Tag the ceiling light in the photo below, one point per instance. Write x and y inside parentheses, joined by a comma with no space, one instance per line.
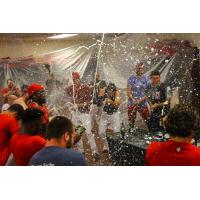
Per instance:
(62,36)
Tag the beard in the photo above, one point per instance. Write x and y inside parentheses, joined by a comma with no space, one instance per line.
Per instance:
(69,144)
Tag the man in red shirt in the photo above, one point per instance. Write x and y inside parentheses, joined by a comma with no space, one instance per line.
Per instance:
(37,99)
(27,142)
(11,89)
(81,95)
(182,124)
(8,127)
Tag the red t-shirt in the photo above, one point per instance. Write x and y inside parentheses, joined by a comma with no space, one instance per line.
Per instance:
(8,127)
(24,146)
(172,153)
(15,92)
(45,119)
(5,90)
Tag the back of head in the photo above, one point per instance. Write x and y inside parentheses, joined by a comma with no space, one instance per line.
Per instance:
(58,126)
(18,109)
(32,121)
(31,115)
(182,122)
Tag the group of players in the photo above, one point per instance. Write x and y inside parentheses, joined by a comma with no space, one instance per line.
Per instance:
(98,104)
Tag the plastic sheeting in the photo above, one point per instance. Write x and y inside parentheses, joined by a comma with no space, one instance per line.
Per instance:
(113,58)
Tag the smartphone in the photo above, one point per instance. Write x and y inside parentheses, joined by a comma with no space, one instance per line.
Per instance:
(80,130)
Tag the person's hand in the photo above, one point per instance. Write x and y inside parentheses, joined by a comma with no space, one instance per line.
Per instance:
(135,102)
(80,105)
(165,103)
(74,107)
(51,111)
(109,101)
(154,106)
(77,138)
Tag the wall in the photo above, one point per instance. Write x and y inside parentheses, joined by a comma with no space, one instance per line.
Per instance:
(21,47)
(24,47)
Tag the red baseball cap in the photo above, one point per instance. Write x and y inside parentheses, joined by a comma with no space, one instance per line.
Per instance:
(34,88)
(75,75)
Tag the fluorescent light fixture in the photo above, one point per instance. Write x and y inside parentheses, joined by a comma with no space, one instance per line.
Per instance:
(62,36)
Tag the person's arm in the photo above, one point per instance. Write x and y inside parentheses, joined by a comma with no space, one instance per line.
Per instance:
(18,92)
(142,99)
(117,101)
(129,92)
(5,94)
(169,94)
(156,105)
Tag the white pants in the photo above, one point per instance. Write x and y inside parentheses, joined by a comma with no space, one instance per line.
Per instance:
(109,121)
(95,114)
(85,120)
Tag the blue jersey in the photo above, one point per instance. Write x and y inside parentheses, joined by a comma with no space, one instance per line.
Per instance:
(138,88)
(57,156)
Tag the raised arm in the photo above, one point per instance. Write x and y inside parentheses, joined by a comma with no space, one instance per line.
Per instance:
(117,98)
(129,91)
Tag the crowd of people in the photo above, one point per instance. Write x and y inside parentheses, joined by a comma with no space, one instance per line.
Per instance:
(30,135)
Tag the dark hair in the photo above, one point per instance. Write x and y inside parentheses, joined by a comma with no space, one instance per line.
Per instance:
(31,114)
(58,126)
(18,109)
(102,84)
(155,73)
(139,64)
(111,86)
(9,80)
(182,122)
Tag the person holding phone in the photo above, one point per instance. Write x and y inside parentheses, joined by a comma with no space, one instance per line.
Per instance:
(58,150)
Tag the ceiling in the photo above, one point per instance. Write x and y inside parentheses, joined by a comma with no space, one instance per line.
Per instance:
(37,36)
